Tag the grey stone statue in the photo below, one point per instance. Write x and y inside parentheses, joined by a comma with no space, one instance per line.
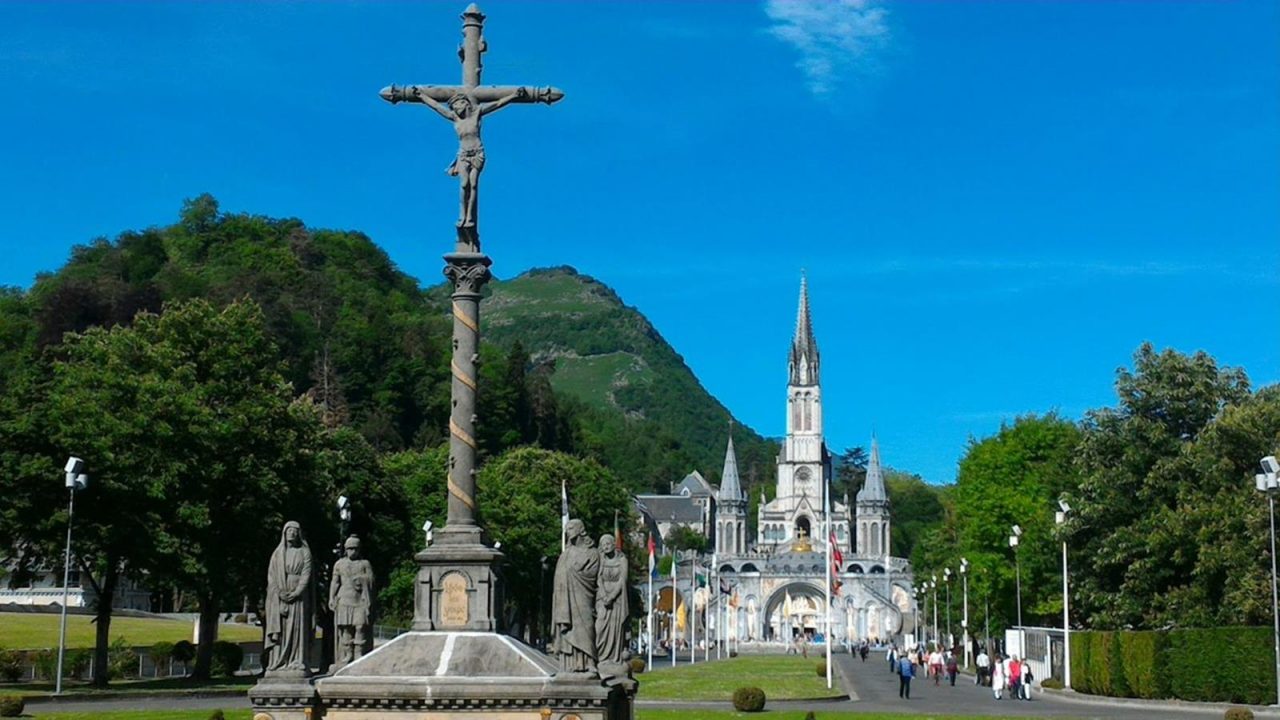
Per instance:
(574,599)
(611,609)
(351,598)
(464,112)
(290,606)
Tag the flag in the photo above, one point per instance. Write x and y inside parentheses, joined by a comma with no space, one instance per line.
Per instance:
(837,557)
(653,563)
(702,579)
(617,533)
(733,599)
(564,512)
(680,619)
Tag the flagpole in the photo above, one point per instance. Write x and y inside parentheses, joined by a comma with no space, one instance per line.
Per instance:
(564,514)
(651,603)
(693,612)
(674,591)
(826,510)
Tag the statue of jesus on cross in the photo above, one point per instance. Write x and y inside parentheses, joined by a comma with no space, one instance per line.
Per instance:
(464,106)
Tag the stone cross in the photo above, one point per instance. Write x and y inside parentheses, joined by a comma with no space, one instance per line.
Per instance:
(464,105)
(467,268)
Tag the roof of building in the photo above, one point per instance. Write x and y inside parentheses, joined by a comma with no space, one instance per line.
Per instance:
(670,508)
(694,485)
(804,346)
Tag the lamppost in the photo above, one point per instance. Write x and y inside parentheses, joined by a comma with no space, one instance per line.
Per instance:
(933,585)
(946,580)
(1268,481)
(1017,566)
(75,480)
(964,622)
(1060,518)
(542,617)
(915,611)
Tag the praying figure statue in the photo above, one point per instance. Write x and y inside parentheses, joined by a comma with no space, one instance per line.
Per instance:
(465,113)
(290,606)
(611,608)
(574,600)
(351,598)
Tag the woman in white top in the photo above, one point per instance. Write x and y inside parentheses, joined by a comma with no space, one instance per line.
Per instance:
(998,675)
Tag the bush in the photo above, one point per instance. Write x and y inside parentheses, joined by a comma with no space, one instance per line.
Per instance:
(241,618)
(1051,683)
(46,662)
(217,715)
(76,662)
(160,654)
(810,716)
(183,651)
(122,661)
(748,699)
(1238,713)
(227,657)
(1140,660)
(637,665)
(11,705)
(733,653)
(11,665)
(821,668)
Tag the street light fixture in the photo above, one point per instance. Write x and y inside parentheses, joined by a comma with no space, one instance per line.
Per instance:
(1060,518)
(946,577)
(964,621)
(933,585)
(75,479)
(1013,543)
(1268,481)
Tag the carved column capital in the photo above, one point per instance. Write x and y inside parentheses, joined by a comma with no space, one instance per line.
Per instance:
(468,272)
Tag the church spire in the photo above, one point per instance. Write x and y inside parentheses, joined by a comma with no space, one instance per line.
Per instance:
(803,362)
(873,489)
(730,487)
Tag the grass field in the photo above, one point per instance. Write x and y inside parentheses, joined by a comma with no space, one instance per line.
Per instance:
(782,677)
(178,684)
(30,631)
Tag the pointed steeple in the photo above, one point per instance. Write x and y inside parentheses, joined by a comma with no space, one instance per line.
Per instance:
(873,489)
(730,487)
(803,361)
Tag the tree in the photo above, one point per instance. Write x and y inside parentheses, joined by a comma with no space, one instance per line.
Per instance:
(683,537)
(519,498)
(851,472)
(914,508)
(1013,477)
(1132,460)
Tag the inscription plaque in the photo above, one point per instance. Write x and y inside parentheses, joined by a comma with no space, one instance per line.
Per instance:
(453,600)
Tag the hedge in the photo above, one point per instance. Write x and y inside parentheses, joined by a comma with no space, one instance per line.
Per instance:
(1232,664)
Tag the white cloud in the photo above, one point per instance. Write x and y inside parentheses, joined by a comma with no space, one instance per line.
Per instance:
(832,36)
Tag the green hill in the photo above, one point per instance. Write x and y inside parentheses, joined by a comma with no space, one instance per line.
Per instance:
(368,343)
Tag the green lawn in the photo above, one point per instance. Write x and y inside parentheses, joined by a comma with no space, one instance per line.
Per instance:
(177,684)
(782,677)
(29,631)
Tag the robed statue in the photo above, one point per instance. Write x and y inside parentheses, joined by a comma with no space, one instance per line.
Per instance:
(351,598)
(611,608)
(290,606)
(574,599)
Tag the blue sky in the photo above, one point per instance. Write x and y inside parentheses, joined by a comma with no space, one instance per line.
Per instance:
(996,203)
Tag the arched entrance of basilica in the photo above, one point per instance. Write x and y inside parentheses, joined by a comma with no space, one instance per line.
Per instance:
(795,610)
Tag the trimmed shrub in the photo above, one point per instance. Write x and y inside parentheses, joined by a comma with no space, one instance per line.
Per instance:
(810,716)
(748,699)
(160,654)
(821,668)
(46,662)
(1140,661)
(217,715)
(733,653)
(11,705)
(10,665)
(227,657)
(637,665)
(1238,713)
(184,651)
(1221,665)
(1052,684)
(75,663)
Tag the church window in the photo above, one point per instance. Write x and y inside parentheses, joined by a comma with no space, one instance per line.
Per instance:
(808,412)
(795,413)
(875,538)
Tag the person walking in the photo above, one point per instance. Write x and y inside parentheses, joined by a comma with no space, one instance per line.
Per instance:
(906,671)
(892,657)
(998,678)
(935,666)
(983,677)
(1026,680)
(953,668)
(1015,678)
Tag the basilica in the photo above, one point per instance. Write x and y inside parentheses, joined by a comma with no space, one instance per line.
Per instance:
(771,582)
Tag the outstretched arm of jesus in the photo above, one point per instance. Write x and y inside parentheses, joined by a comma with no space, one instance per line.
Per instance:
(440,108)
(519,93)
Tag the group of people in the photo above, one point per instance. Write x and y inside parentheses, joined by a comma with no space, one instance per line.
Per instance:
(1004,673)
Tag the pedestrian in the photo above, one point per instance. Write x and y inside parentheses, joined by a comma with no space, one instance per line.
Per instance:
(984,668)
(998,677)
(935,666)
(953,668)
(1015,678)
(1026,680)
(906,671)
(862,652)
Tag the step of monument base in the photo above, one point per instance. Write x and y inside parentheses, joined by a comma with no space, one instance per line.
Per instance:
(442,675)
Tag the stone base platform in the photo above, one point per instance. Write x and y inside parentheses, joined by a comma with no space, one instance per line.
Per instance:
(441,675)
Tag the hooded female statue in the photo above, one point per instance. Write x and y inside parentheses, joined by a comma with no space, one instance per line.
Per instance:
(290,611)
(574,600)
(612,613)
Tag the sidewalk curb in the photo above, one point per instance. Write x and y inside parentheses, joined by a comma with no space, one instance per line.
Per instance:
(1079,698)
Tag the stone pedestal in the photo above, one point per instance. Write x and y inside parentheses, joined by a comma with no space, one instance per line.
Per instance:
(459,585)
(284,698)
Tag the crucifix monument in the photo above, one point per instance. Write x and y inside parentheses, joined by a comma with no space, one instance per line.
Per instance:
(456,662)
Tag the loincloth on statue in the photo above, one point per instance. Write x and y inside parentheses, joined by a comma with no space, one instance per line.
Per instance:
(470,159)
